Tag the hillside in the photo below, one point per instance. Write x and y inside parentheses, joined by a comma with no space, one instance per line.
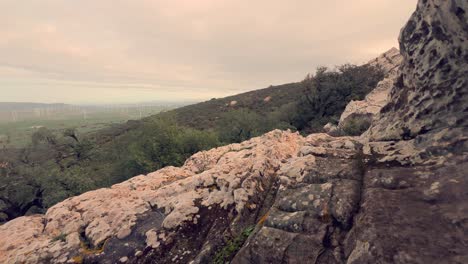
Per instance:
(60,162)
(205,115)
(284,100)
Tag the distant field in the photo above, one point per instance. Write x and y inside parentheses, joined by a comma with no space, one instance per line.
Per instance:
(18,133)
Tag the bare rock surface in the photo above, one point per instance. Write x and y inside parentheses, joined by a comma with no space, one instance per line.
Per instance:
(402,197)
(230,179)
(397,194)
(430,94)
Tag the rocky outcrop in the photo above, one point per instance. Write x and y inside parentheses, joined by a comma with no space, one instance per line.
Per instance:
(402,196)
(343,203)
(431,92)
(361,113)
(396,194)
(319,193)
(212,190)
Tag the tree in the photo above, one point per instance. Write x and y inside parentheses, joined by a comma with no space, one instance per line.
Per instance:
(71,133)
(162,143)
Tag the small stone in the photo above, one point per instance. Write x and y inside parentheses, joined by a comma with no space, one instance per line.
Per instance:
(123,233)
(152,239)
(123,260)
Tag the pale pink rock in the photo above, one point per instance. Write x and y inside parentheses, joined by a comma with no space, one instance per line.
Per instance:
(237,170)
(152,239)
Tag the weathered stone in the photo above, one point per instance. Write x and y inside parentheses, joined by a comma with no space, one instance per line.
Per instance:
(230,177)
(431,92)
(402,198)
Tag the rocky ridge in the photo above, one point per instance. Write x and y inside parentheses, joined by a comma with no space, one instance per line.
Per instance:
(397,194)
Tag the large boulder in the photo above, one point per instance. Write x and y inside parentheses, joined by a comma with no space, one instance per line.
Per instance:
(400,197)
(430,95)
(173,215)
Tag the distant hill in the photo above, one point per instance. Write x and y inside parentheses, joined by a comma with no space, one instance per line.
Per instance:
(21,106)
(38,112)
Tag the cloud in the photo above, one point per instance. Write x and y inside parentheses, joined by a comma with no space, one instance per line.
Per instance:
(140,49)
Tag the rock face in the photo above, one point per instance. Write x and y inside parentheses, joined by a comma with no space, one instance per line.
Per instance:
(397,194)
(363,112)
(431,91)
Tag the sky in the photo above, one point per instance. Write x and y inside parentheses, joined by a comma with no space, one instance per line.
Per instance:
(124,51)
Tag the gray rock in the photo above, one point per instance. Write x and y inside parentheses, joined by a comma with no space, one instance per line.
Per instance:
(430,94)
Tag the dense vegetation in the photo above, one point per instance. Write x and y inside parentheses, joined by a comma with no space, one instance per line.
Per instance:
(55,167)
(18,121)
(59,165)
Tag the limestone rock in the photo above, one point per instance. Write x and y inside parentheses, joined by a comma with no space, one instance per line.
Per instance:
(430,94)
(388,61)
(228,178)
(331,129)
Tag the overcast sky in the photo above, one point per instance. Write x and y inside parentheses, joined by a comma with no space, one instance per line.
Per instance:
(103,51)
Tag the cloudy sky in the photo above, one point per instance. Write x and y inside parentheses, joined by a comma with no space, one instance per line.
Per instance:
(103,51)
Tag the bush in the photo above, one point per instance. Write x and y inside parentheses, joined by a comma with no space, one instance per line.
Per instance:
(242,124)
(239,125)
(232,246)
(162,143)
(328,92)
(357,126)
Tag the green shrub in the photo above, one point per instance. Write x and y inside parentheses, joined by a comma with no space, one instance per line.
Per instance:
(328,92)
(162,143)
(225,254)
(62,237)
(357,126)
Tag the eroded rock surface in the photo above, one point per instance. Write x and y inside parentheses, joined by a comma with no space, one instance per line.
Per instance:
(397,194)
(431,92)
(407,201)
(149,211)
(318,196)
